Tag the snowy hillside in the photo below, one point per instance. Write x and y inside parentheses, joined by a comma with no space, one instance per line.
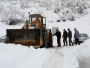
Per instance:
(17,11)
(18,56)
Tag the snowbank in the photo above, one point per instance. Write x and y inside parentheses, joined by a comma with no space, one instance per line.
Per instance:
(17,56)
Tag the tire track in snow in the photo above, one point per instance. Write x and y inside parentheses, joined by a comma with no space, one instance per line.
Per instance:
(70,61)
(82,57)
(55,60)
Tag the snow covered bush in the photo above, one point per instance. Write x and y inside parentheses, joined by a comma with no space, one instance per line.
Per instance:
(12,16)
(1,7)
(2,0)
(70,9)
(73,9)
(24,3)
(46,3)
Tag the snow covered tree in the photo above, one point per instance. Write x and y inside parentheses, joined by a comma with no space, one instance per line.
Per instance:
(46,3)
(24,3)
(1,7)
(11,15)
(70,9)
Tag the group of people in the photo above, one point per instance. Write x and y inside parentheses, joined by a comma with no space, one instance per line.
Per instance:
(67,34)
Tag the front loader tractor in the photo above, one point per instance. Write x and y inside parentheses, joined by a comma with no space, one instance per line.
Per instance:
(31,34)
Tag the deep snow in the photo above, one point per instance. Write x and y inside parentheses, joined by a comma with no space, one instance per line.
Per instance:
(77,56)
(17,56)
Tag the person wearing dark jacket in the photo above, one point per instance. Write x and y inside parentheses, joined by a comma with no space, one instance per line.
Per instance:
(64,37)
(70,37)
(58,35)
(76,36)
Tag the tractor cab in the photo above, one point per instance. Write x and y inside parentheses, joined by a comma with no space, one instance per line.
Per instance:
(37,21)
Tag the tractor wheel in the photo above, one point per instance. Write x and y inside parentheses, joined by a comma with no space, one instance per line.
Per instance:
(50,42)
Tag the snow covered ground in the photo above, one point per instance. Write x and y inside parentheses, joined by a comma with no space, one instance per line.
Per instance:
(77,56)
(17,56)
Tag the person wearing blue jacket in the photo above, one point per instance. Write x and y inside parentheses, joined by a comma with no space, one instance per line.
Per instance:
(76,36)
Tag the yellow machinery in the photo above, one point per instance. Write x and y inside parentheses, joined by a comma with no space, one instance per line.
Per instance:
(31,34)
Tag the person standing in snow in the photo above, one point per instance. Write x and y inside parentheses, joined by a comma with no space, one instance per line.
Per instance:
(58,35)
(65,37)
(76,36)
(70,36)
